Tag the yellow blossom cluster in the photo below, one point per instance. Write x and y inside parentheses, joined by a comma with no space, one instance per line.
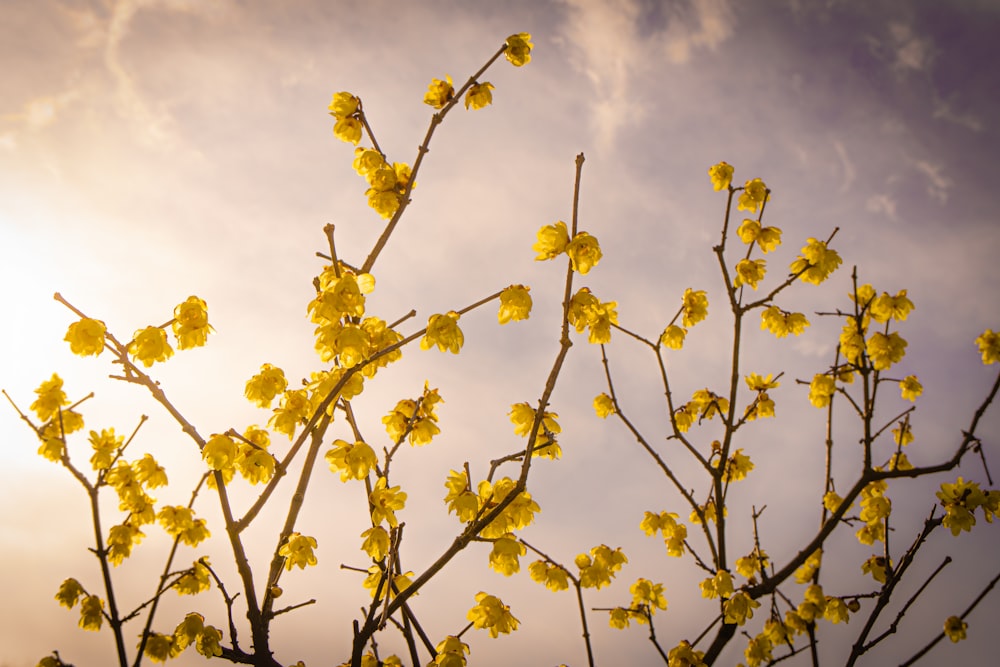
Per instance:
(598,568)
(522,415)
(192,631)
(586,311)
(415,420)
(674,533)
(583,250)
(961,499)
(490,613)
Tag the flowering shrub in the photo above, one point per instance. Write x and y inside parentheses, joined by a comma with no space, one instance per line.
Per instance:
(780,607)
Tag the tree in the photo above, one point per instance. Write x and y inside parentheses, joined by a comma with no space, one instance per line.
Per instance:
(494,506)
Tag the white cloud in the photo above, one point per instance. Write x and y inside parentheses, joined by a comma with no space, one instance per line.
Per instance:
(617,42)
(36,114)
(943,111)
(909,51)
(883,204)
(937,183)
(847,166)
(701,25)
(150,121)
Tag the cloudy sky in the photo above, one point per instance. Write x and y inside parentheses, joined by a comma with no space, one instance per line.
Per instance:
(154,149)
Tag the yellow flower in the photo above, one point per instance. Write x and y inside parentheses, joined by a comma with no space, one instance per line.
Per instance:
(385,500)
(816,263)
(161,647)
(899,461)
(758,651)
(852,341)
(352,461)
(708,404)
(876,567)
(902,434)
(344,105)
(195,580)
(767,238)
(757,383)
(105,444)
(219,452)
(598,571)
(191,323)
(293,409)
(491,613)
(460,498)
(86,337)
(738,467)
(515,304)
(832,501)
(694,307)
(121,539)
(443,331)
(385,202)
(959,501)
(187,631)
(782,323)
(584,252)
(348,130)
(518,514)
(554,577)
(265,385)
(618,618)
(604,406)
(51,397)
(518,49)
(603,317)
(505,554)
(739,608)
(674,533)
(367,161)
(673,337)
(684,655)
(479,95)
(885,350)
(450,653)
(582,308)
(807,570)
(376,577)
(721,585)
(69,592)
(552,241)
(821,390)
(749,565)
(209,643)
(439,92)
(254,462)
(885,307)
(749,272)
(522,416)
(754,194)
(989,346)
(748,230)
(721,175)
(645,592)
(376,543)
(149,473)
(91,616)
(955,628)
(836,610)
(298,550)
(910,387)
(150,345)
